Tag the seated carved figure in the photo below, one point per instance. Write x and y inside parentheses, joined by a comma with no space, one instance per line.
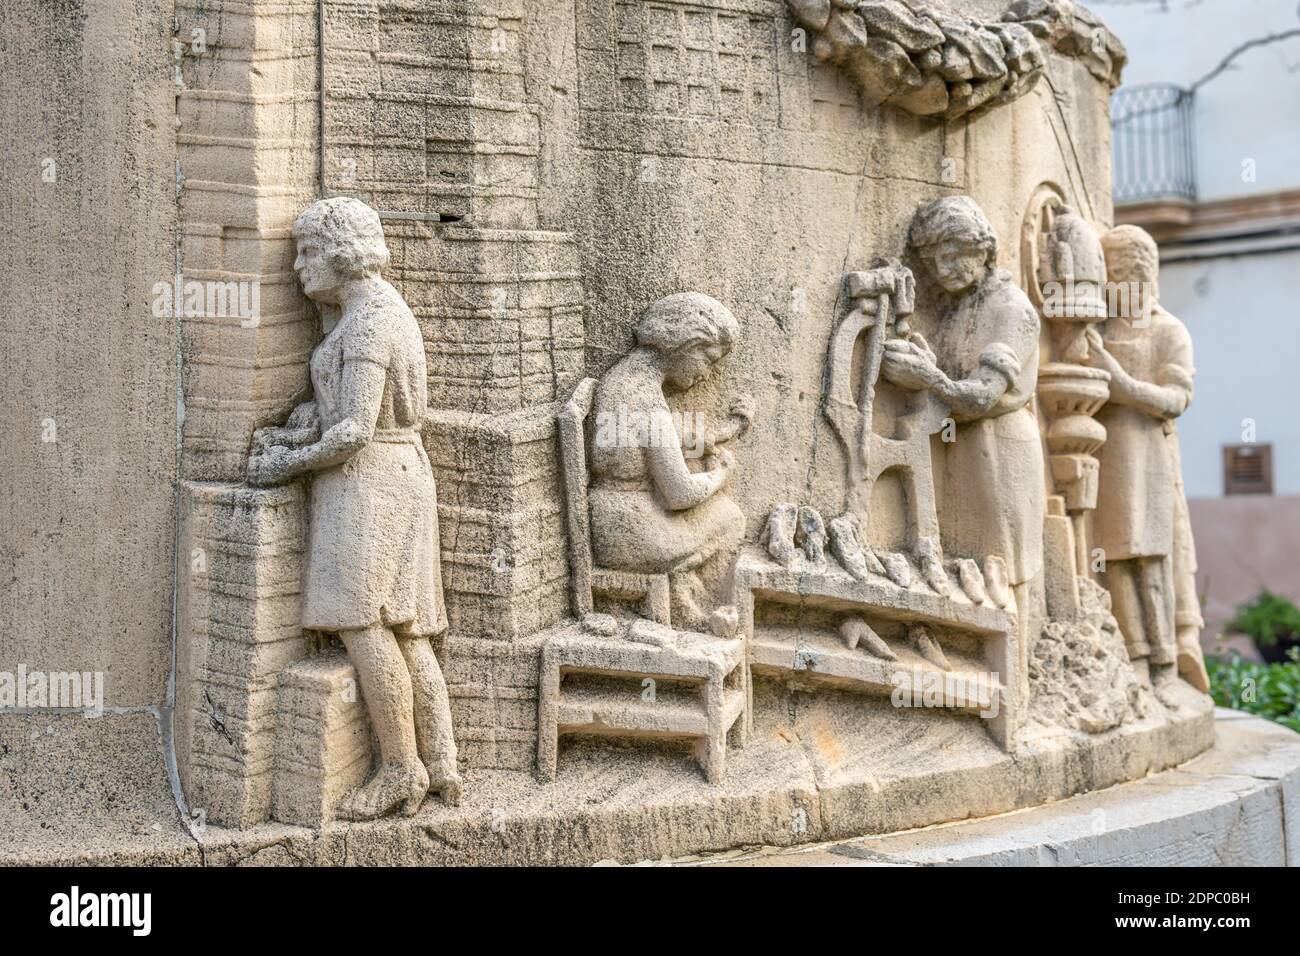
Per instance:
(649,512)
(372,572)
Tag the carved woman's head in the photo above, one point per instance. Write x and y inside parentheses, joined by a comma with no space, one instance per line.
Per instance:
(690,332)
(338,239)
(955,241)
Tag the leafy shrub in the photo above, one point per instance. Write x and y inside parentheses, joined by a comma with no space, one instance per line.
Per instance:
(1267,618)
(1266,690)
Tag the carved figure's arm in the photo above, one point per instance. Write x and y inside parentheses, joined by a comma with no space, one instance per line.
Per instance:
(363,392)
(972,398)
(1166,398)
(677,486)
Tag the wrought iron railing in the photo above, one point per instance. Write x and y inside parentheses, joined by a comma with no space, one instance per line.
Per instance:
(1153,142)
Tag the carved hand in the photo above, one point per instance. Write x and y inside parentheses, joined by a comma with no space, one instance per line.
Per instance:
(722,461)
(743,408)
(270,466)
(909,369)
(1098,357)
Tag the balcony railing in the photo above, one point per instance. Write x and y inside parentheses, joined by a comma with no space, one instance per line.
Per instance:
(1153,142)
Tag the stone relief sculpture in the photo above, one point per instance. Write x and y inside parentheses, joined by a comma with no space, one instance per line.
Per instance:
(1141,519)
(372,573)
(649,512)
(644,526)
(923,60)
(909,527)
(983,367)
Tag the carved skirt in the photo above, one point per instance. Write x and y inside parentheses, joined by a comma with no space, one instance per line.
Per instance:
(632,531)
(372,542)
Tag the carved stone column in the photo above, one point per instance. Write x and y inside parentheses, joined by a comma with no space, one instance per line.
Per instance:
(1064,272)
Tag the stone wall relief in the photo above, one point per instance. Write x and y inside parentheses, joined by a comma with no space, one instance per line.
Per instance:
(922,58)
(924,62)
(936,577)
(1120,373)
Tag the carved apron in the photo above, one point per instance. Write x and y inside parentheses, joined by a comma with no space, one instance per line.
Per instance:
(372,551)
(989,479)
(1139,462)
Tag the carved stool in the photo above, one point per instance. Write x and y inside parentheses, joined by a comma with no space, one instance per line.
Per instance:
(694,687)
(322,739)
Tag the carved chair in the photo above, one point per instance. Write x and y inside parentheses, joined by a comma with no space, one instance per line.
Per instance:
(650,590)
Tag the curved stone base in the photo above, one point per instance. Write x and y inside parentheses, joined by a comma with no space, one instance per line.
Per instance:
(818,768)
(1238,805)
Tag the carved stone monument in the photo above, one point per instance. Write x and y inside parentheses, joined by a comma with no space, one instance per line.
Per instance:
(668,426)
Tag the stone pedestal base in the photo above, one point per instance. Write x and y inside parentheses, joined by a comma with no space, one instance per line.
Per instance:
(816,769)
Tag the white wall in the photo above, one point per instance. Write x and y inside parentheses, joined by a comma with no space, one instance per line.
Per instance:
(1251,111)
(1244,316)
(1241,310)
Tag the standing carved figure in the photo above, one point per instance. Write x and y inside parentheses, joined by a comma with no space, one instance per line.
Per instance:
(372,572)
(1141,523)
(983,366)
(649,511)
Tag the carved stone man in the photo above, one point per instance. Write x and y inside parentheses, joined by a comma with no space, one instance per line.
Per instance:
(372,572)
(984,367)
(1141,521)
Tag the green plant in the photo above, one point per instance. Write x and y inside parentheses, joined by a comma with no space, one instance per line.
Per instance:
(1267,618)
(1266,690)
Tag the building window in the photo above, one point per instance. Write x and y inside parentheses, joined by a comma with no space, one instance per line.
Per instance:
(1248,469)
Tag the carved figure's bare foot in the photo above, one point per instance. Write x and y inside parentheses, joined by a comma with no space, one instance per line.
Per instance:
(391,786)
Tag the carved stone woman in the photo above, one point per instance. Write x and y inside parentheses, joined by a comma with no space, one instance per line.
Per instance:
(372,571)
(649,511)
(984,368)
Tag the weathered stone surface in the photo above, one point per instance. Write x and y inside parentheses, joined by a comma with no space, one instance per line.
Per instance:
(1236,806)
